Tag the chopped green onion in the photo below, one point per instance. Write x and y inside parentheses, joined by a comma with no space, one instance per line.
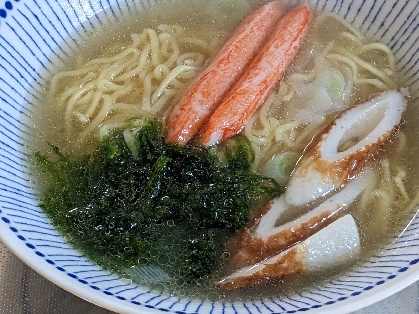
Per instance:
(280,167)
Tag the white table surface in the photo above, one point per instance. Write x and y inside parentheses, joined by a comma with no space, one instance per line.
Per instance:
(23,291)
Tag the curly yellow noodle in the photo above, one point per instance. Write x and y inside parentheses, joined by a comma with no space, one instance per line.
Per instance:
(160,71)
(382,47)
(341,21)
(173,29)
(160,104)
(177,84)
(154,45)
(294,135)
(114,71)
(107,86)
(195,42)
(414,203)
(352,37)
(282,135)
(171,92)
(364,199)
(258,155)
(392,183)
(177,71)
(107,104)
(302,76)
(383,211)
(93,104)
(309,132)
(373,207)
(71,89)
(369,67)
(192,58)
(168,49)
(145,77)
(387,177)
(59,76)
(399,180)
(85,100)
(112,59)
(265,123)
(326,50)
(373,82)
(401,141)
(77,92)
(347,61)
(389,194)
(123,90)
(140,67)
(287,93)
(260,140)
(128,108)
(146,101)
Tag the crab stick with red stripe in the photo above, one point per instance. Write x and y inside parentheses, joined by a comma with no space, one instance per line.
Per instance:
(208,89)
(259,79)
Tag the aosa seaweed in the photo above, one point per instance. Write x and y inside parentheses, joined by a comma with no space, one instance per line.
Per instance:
(137,201)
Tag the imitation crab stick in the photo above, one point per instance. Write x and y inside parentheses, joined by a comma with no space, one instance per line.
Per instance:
(259,79)
(207,90)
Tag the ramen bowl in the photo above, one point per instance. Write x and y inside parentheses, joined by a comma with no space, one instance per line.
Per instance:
(35,37)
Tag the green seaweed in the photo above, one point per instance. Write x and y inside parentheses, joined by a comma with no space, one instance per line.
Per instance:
(162,203)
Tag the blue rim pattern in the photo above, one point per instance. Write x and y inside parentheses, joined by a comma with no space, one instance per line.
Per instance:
(37,36)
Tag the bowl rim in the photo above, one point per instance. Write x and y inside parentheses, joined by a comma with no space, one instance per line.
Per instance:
(20,249)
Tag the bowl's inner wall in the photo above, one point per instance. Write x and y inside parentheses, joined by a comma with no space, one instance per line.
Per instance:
(36,37)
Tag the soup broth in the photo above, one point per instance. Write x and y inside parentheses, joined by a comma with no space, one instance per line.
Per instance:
(195,30)
(200,34)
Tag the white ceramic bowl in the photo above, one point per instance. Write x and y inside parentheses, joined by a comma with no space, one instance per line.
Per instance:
(34,36)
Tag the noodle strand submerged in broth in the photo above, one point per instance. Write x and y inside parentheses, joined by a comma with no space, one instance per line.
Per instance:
(141,80)
(143,72)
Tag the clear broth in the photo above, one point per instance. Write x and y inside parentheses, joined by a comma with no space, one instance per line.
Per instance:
(192,16)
